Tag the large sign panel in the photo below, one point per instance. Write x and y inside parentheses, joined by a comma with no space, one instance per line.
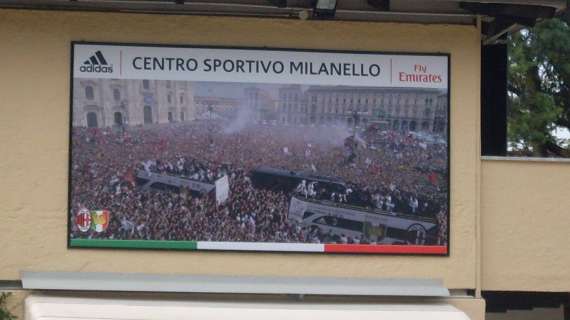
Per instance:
(210,148)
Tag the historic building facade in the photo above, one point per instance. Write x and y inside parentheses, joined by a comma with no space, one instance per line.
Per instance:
(262,104)
(396,108)
(207,106)
(99,103)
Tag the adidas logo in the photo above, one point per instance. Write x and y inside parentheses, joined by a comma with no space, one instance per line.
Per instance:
(96,63)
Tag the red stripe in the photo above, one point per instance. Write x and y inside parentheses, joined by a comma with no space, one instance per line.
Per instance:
(376,248)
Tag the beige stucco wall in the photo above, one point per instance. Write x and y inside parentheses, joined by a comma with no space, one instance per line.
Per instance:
(525,212)
(34,79)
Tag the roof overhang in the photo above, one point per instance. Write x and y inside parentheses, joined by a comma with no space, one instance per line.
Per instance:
(498,17)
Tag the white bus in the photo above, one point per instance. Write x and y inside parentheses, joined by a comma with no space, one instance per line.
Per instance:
(355,222)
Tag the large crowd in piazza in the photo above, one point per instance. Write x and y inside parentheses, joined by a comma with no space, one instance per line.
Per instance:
(391,171)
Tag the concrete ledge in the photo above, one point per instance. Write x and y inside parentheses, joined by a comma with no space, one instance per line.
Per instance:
(227,284)
(525,159)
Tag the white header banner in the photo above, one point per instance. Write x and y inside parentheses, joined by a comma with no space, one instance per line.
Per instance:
(259,66)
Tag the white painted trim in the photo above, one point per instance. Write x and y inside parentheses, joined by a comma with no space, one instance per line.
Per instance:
(59,308)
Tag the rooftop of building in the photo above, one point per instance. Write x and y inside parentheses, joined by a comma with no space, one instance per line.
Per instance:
(497,17)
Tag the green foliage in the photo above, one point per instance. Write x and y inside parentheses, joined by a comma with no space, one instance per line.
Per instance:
(539,88)
(5,314)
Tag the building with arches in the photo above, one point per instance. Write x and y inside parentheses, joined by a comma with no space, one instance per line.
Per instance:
(100,103)
(406,109)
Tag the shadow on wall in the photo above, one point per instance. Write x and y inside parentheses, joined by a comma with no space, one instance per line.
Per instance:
(534,314)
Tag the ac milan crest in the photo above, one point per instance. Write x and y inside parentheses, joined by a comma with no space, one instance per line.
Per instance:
(83,220)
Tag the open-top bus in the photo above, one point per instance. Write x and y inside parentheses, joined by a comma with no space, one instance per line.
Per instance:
(375,225)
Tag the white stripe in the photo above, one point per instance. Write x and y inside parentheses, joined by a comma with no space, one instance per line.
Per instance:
(261,246)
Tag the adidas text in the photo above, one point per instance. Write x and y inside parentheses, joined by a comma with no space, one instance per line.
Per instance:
(96,68)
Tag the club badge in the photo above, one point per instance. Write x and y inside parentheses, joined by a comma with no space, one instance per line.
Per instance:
(100,220)
(83,220)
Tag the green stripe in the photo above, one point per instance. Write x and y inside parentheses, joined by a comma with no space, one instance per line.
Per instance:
(134,244)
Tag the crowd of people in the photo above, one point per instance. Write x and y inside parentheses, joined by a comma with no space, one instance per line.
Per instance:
(390,171)
(393,172)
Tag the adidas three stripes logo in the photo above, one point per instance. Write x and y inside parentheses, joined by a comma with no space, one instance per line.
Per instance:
(96,63)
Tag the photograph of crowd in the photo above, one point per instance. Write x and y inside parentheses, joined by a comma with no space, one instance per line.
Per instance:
(247,162)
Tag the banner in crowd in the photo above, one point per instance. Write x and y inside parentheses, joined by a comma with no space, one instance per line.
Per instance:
(222,189)
(189,147)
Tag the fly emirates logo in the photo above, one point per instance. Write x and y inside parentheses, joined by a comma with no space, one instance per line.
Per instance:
(421,74)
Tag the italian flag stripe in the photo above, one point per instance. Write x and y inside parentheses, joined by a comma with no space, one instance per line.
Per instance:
(258,246)
(377,248)
(261,246)
(134,244)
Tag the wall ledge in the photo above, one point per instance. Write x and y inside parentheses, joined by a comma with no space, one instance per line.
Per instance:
(102,281)
(525,159)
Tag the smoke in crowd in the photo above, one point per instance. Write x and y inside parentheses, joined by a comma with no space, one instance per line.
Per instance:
(340,165)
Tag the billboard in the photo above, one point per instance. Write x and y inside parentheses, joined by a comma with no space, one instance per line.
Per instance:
(256,149)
